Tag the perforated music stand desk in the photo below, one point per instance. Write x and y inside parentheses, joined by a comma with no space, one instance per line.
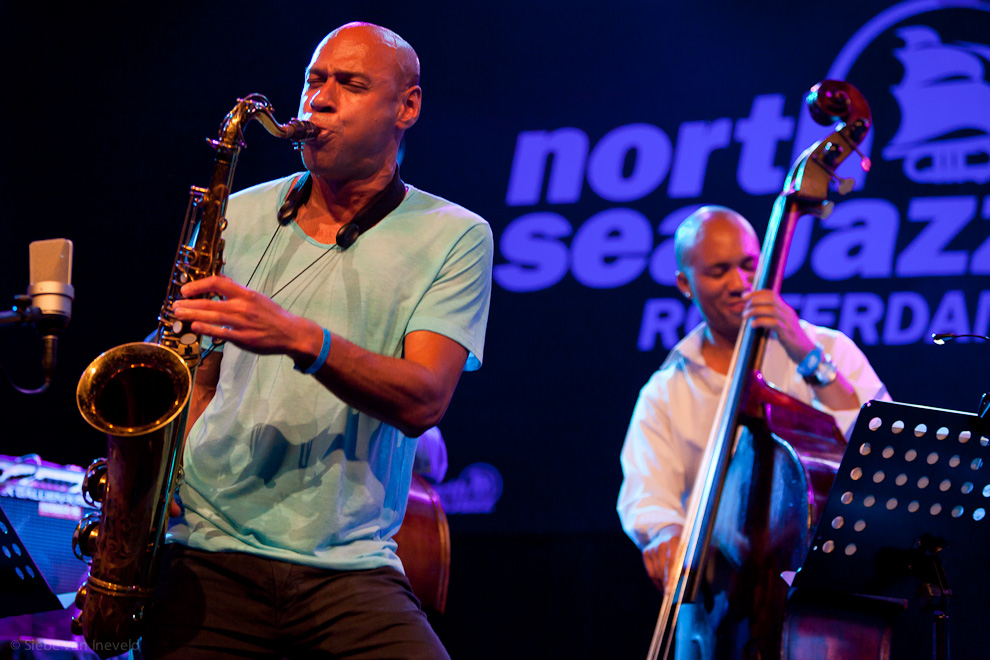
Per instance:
(23,590)
(909,473)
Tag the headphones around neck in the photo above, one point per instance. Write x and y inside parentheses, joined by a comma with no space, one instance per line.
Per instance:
(295,198)
(380,205)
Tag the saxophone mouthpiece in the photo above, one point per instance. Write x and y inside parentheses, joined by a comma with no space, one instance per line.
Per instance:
(299,130)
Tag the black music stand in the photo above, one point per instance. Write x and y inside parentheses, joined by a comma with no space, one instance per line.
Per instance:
(23,590)
(914,483)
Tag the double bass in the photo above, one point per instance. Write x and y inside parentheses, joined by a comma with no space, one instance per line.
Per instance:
(770,460)
(424,545)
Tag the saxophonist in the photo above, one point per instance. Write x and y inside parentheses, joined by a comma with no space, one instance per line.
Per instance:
(349,306)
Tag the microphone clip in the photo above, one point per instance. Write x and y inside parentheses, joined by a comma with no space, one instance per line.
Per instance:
(25,311)
(22,313)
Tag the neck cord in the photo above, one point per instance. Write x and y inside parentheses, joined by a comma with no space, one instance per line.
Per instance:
(262,258)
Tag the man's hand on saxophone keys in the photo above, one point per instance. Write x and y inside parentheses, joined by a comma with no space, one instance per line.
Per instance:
(245,318)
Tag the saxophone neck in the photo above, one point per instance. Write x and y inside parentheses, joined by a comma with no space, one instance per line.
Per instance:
(257,106)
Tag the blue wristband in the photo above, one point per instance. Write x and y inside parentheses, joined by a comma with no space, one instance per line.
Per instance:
(321,358)
(811,360)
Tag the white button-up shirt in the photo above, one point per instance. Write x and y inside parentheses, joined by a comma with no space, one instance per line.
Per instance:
(673,417)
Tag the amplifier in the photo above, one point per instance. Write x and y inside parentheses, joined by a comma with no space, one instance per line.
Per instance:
(43,502)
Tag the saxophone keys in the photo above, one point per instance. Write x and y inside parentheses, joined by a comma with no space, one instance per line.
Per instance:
(94,484)
(85,536)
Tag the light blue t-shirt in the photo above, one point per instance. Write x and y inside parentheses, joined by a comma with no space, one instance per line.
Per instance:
(277,465)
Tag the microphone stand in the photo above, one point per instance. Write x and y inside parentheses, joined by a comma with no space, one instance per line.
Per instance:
(21,314)
(926,565)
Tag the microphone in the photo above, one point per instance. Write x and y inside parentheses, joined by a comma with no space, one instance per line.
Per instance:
(51,293)
(941,337)
(983,410)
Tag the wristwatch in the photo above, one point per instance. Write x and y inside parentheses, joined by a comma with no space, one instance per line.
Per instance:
(817,368)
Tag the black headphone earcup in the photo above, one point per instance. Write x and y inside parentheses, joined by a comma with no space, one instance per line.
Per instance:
(287,211)
(297,197)
(347,234)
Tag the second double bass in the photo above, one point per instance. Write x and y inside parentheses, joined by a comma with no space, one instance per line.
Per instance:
(775,456)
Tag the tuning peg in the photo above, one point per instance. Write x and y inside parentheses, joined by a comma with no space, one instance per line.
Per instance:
(844,186)
(864,160)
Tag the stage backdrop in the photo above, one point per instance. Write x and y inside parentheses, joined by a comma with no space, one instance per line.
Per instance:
(583,132)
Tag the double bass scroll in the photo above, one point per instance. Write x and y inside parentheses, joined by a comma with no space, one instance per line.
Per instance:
(805,192)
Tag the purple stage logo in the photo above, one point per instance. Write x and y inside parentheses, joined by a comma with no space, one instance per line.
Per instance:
(909,234)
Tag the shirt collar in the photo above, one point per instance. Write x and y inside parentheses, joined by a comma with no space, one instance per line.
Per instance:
(688,348)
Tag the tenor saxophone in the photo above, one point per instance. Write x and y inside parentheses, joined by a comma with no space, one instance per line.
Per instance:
(138,394)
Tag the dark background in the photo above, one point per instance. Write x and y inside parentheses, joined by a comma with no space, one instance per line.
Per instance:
(104,119)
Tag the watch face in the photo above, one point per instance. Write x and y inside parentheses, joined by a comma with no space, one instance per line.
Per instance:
(825,372)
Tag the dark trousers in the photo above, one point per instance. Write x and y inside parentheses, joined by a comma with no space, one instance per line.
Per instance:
(236,605)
